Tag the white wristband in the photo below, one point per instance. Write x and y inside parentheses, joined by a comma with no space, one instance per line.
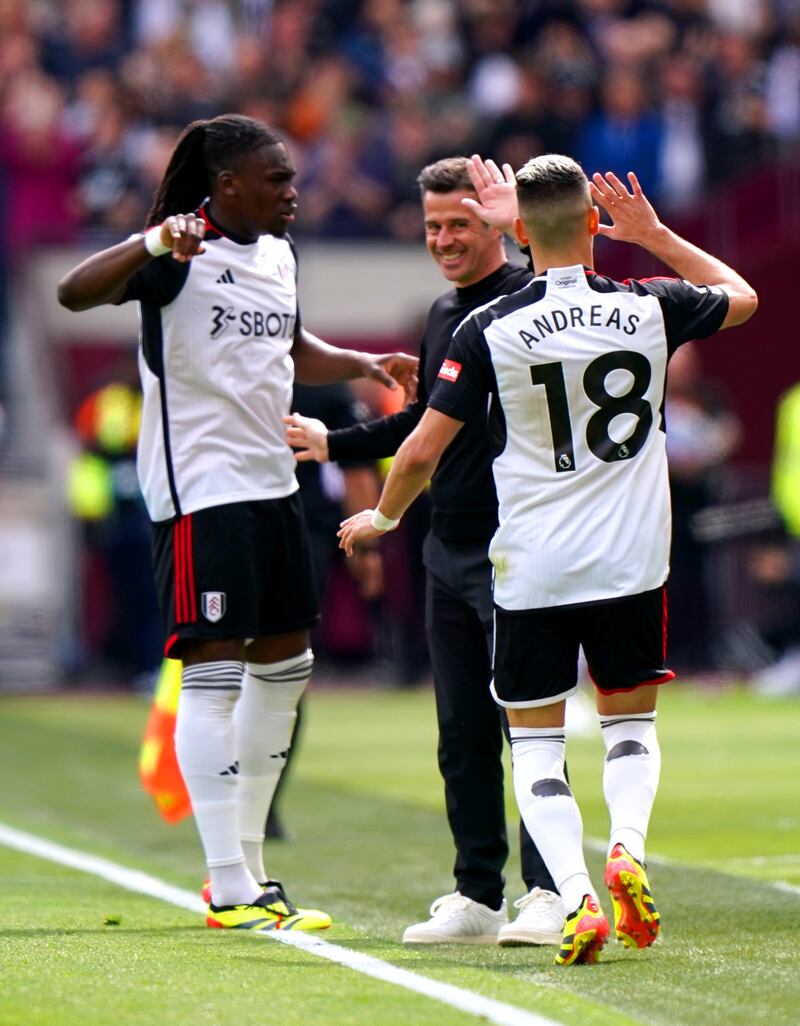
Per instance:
(382,523)
(153,244)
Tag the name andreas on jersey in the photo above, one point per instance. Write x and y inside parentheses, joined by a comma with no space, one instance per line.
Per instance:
(575,316)
(576,424)
(252,323)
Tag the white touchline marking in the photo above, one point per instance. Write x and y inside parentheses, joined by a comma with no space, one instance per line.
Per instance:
(762,860)
(135,880)
(595,844)
(781,885)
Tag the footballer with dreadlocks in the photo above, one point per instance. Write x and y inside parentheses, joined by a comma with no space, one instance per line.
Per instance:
(221,344)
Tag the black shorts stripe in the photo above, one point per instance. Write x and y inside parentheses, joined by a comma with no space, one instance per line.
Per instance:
(185,598)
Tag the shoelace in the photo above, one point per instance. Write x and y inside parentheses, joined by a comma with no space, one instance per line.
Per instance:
(449,904)
(280,903)
(536,897)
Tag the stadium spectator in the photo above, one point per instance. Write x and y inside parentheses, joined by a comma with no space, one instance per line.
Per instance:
(581,553)
(109,179)
(783,86)
(346,182)
(524,127)
(84,35)
(737,135)
(624,132)
(681,158)
(39,167)
(40,163)
(231,549)
(472,256)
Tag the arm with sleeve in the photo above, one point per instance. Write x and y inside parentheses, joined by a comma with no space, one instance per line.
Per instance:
(690,311)
(382,437)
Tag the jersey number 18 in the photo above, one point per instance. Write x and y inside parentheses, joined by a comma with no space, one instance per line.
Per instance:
(551,376)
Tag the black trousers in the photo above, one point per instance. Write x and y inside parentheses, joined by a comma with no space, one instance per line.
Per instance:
(459,623)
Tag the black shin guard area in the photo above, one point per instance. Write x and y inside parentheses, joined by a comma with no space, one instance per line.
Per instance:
(626,748)
(550,787)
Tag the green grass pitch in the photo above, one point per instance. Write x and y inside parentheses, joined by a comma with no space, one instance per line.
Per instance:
(371,846)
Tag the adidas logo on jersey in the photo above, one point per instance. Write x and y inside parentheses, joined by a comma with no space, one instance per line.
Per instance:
(226,278)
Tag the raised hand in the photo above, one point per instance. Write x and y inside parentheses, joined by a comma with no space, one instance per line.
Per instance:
(184,233)
(308,435)
(496,204)
(632,215)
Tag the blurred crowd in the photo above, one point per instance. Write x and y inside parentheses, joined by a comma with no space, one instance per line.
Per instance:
(93,93)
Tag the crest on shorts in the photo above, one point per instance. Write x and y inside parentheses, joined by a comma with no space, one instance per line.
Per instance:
(213,605)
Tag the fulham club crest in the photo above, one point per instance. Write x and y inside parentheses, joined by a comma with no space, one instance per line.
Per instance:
(213,605)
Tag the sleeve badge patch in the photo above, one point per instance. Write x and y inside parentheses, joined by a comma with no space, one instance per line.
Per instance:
(450,370)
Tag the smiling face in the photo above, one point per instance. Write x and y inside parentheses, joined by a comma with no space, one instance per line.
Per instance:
(257,196)
(465,249)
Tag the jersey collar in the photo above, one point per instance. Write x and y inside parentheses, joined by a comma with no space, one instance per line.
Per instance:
(211,225)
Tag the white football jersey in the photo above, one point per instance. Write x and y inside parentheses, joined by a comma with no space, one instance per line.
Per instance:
(574,367)
(217,375)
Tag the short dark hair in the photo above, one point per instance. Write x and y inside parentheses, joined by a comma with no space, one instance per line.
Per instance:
(447,175)
(553,195)
(203,149)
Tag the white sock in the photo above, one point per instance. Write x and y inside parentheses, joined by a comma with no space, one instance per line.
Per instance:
(630,777)
(205,744)
(265,718)
(549,809)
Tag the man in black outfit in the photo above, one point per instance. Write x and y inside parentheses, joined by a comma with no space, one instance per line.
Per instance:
(471,254)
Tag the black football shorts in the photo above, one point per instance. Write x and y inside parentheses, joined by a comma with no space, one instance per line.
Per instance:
(536,651)
(236,571)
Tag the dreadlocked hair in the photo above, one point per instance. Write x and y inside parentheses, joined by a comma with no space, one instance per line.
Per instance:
(203,149)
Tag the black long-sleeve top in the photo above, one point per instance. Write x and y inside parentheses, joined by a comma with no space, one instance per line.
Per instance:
(462,488)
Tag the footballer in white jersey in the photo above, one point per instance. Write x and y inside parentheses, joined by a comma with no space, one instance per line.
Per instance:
(221,343)
(574,366)
(216,338)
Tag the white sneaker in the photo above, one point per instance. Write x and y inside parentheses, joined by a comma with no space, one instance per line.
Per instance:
(540,920)
(456,919)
